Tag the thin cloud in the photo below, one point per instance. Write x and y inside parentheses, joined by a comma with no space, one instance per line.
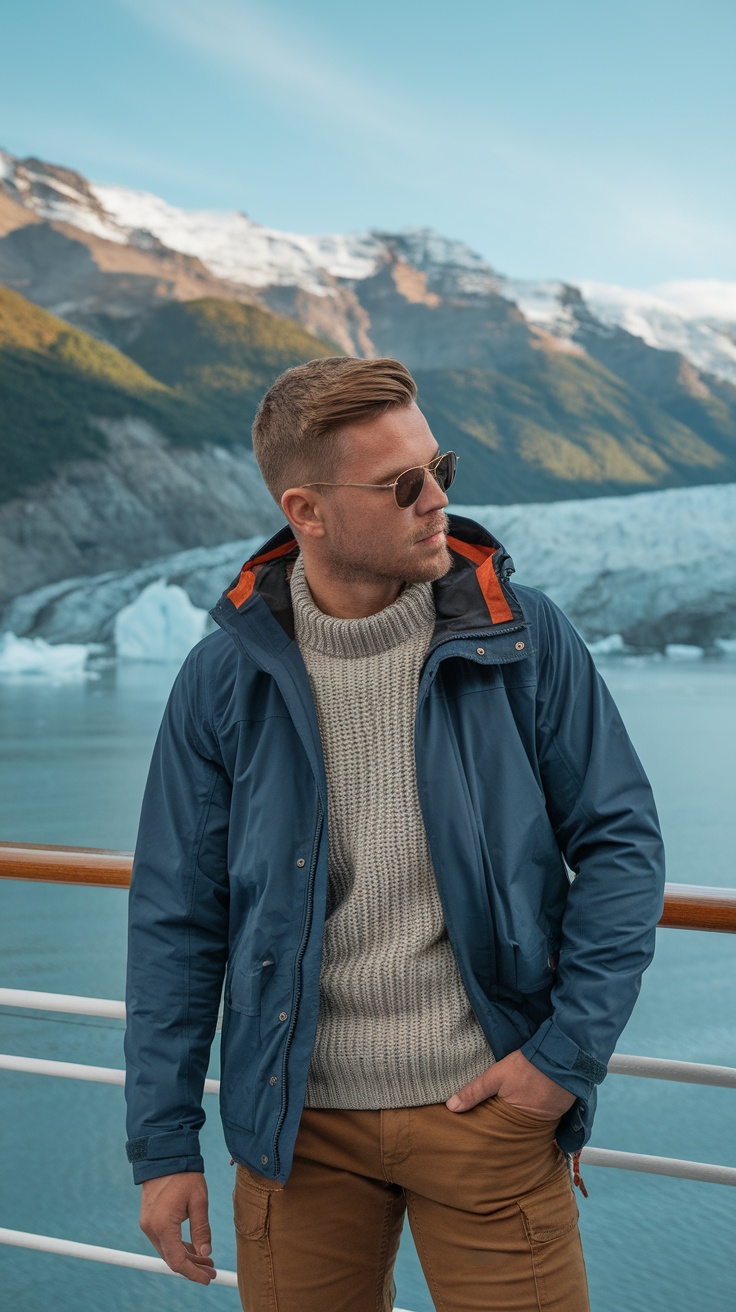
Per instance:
(241,39)
(296,72)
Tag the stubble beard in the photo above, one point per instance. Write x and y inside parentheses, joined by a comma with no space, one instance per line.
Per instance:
(368,566)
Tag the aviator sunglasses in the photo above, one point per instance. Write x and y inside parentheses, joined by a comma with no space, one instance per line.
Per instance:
(408,486)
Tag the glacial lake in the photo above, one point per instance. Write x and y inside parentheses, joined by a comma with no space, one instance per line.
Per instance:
(73,760)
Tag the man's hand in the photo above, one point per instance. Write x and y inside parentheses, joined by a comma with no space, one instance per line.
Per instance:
(517,1081)
(166,1203)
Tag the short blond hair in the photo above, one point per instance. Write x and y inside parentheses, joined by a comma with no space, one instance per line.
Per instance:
(296,432)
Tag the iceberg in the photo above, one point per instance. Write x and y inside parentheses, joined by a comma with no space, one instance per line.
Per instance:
(34,656)
(160,625)
(613,645)
(683,651)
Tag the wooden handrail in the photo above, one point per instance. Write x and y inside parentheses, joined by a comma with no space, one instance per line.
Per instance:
(689,906)
(686,906)
(66,865)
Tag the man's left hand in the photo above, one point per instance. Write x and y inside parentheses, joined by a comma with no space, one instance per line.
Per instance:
(517,1081)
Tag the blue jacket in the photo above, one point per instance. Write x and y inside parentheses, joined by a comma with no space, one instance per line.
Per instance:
(523,766)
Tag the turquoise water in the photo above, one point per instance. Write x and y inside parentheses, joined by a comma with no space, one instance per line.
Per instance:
(73,760)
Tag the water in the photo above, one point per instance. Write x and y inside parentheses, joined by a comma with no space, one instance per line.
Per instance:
(73,760)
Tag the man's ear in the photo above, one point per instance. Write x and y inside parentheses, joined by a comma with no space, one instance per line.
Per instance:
(303,509)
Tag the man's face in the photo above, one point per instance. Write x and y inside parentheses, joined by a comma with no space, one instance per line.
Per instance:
(367,536)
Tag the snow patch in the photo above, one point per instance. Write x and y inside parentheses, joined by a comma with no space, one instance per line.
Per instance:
(542,303)
(232,246)
(690,317)
(701,298)
(683,651)
(613,645)
(664,325)
(42,659)
(160,625)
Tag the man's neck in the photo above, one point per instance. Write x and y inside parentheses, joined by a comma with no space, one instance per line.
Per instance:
(349,599)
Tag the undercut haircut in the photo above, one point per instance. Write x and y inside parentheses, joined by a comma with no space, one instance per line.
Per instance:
(297,430)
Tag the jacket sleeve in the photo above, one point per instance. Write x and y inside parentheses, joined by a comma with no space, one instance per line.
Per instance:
(178,928)
(601,806)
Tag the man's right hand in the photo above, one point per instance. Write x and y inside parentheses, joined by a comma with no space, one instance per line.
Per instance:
(166,1203)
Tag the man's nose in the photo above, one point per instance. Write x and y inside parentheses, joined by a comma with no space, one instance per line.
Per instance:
(432,496)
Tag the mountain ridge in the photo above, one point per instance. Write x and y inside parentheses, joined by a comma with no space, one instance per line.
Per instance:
(252,259)
(542,399)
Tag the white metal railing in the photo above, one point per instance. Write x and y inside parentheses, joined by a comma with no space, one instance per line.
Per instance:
(71,1004)
(73,1070)
(620,1064)
(93,1253)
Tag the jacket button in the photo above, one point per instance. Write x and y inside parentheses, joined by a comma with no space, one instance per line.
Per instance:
(301,862)
(283,1015)
(481,651)
(272,1079)
(519,646)
(264,1160)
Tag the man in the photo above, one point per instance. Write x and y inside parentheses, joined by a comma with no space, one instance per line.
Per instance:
(367,793)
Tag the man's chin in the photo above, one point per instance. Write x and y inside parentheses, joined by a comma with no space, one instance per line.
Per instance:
(436,563)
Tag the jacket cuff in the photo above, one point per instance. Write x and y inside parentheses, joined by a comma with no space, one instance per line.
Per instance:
(164,1154)
(559,1057)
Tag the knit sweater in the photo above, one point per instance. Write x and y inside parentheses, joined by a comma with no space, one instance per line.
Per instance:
(395,1026)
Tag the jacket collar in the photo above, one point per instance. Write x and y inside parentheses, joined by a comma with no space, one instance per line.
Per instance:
(474,597)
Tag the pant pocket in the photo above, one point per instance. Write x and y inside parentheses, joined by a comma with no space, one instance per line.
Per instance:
(550,1212)
(251,1202)
(535,1119)
(550,1217)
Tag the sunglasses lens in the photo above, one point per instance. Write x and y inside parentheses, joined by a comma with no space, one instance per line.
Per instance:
(445,472)
(408,487)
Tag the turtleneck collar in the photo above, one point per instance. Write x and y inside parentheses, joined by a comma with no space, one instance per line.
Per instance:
(413,608)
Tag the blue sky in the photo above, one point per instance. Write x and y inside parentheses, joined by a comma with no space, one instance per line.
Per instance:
(561,138)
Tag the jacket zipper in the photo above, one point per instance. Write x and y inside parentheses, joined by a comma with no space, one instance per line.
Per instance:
(307,925)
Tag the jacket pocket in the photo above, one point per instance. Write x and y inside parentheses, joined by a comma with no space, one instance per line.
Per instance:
(245,988)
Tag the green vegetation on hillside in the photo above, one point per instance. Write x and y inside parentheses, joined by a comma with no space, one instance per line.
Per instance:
(559,426)
(555,426)
(222,352)
(55,380)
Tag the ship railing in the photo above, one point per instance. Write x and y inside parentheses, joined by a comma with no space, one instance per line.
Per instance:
(686,906)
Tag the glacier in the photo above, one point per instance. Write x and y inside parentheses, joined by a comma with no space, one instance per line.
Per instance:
(657,568)
(654,572)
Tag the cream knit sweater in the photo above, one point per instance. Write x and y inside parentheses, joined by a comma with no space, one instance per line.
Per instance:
(395,1026)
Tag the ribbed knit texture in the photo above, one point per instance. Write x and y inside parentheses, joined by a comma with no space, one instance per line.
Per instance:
(395,1026)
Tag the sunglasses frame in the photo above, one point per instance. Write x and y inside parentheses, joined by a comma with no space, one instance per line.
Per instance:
(431,469)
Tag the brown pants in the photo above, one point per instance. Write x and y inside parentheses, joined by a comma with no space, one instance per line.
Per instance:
(490,1206)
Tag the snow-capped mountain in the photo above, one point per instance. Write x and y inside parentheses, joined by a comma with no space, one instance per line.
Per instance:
(228,242)
(698,320)
(695,319)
